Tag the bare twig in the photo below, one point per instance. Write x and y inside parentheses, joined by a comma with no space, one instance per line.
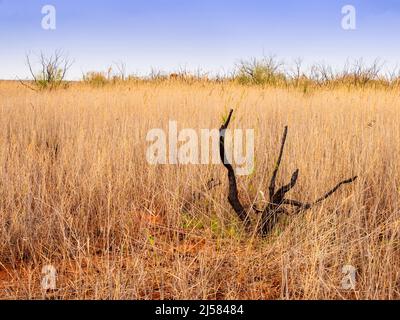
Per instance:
(26,85)
(277,165)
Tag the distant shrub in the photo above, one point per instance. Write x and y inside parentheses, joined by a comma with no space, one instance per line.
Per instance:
(360,74)
(96,79)
(53,70)
(114,74)
(265,71)
(322,74)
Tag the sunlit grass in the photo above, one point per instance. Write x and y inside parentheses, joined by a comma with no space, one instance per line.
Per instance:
(76,192)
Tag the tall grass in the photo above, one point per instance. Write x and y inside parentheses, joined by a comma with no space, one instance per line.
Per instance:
(76,192)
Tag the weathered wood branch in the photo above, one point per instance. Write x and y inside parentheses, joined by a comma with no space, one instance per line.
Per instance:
(233,196)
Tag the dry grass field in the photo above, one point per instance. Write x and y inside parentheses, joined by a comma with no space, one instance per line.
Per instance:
(77,192)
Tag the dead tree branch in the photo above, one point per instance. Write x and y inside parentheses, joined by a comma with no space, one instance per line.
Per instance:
(275,208)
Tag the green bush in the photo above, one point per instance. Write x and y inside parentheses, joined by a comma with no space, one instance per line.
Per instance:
(96,79)
(53,70)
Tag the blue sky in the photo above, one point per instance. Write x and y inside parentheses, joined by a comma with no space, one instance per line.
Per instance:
(208,34)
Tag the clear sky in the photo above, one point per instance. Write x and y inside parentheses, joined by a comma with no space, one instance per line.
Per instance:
(208,34)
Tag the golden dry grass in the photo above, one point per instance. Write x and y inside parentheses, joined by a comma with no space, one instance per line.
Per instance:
(118,228)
